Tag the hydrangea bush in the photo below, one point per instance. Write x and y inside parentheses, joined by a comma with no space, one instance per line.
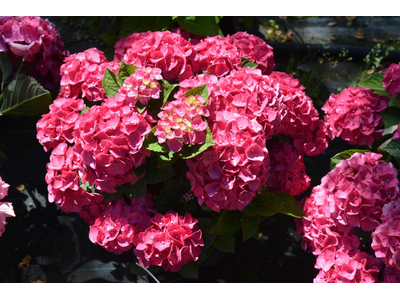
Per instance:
(137,141)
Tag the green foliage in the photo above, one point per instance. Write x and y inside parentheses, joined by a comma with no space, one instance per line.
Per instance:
(124,72)
(24,96)
(290,206)
(393,148)
(206,225)
(228,223)
(344,155)
(391,117)
(167,91)
(151,143)
(264,204)
(374,82)
(6,66)
(202,91)
(110,83)
(202,25)
(394,101)
(249,226)
(156,175)
(138,190)
(225,243)
(110,38)
(189,151)
(248,63)
(190,270)
(85,110)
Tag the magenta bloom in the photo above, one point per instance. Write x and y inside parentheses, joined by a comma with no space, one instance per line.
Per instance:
(36,42)
(58,125)
(6,211)
(355,115)
(164,50)
(3,188)
(391,80)
(182,122)
(118,224)
(82,75)
(287,170)
(171,242)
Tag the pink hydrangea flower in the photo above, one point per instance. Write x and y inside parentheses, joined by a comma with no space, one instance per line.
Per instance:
(182,122)
(82,75)
(355,115)
(198,80)
(391,275)
(38,43)
(3,188)
(171,242)
(300,118)
(110,138)
(229,174)
(58,125)
(140,87)
(119,223)
(287,170)
(164,50)
(254,49)
(391,80)
(6,211)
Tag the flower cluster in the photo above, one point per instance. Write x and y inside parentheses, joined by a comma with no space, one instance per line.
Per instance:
(182,122)
(356,193)
(171,242)
(391,79)
(6,208)
(355,115)
(37,43)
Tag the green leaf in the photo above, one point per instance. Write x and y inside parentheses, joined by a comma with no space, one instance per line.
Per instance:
(110,83)
(25,96)
(291,206)
(391,116)
(189,152)
(87,187)
(139,171)
(382,93)
(204,26)
(249,226)
(264,204)
(138,190)
(6,66)
(190,270)
(156,175)
(394,101)
(111,196)
(228,223)
(393,148)
(344,155)
(202,91)
(125,71)
(151,142)
(138,271)
(225,243)
(85,110)
(142,24)
(167,91)
(374,82)
(248,63)
(110,38)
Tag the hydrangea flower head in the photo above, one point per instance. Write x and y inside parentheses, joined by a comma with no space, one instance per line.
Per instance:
(391,80)
(3,188)
(171,242)
(355,115)
(182,122)
(6,211)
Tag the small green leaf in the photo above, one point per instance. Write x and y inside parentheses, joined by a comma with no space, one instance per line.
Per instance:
(344,155)
(374,82)
(85,110)
(202,91)
(151,143)
(6,66)
(167,91)
(109,38)
(382,93)
(228,223)
(249,226)
(204,26)
(206,225)
(393,148)
(139,171)
(125,71)
(111,196)
(87,187)
(248,63)
(391,116)
(189,152)
(264,204)
(138,190)
(394,101)
(25,96)
(190,270)
(156,175)
(291,206)
(225,243)
(110,83)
